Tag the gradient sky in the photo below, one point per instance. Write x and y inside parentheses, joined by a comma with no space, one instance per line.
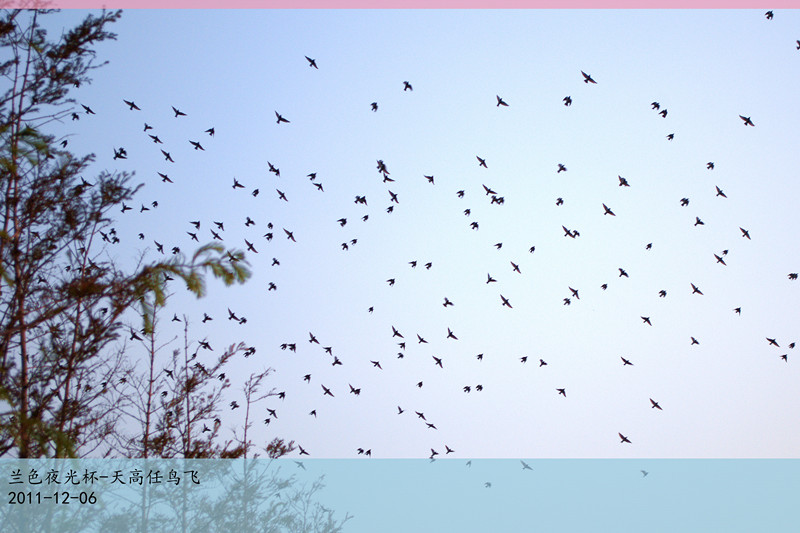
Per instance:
(729,396)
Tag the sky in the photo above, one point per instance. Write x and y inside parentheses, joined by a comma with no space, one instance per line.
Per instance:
(729,396)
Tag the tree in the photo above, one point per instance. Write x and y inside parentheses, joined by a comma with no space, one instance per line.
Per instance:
(61,297)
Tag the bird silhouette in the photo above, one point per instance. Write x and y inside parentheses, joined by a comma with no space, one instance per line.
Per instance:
(646,320)
(374,106)
(312,62)
(747,121)
(624,438)
(769,15)
(407,86)
(567,101)
(587,78)
(482,163)
(505,301)
(131,105)
(720,193)
(745,233)
(695,290)
(500,102)
(608,211)
(625,362)
(655,405)
(280,118)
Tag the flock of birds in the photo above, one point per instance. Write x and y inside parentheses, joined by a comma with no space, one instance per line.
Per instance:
(259,236)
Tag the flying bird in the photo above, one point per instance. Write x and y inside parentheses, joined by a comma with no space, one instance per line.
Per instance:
(695,290)
(587,78)
(623,182)
(280,118)
(178,113)
(482,162)
(625,362)
(501,102)
(747,121)
(312,63)
(655,405)
(745,233)
(131,105)
(720,193)
(407,86)
(567,101)
(505,301)
(624,438)
(608,211)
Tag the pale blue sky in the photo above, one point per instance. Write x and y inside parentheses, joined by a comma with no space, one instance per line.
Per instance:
(729,396)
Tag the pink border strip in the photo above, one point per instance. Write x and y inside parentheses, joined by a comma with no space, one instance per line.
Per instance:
(409,4)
